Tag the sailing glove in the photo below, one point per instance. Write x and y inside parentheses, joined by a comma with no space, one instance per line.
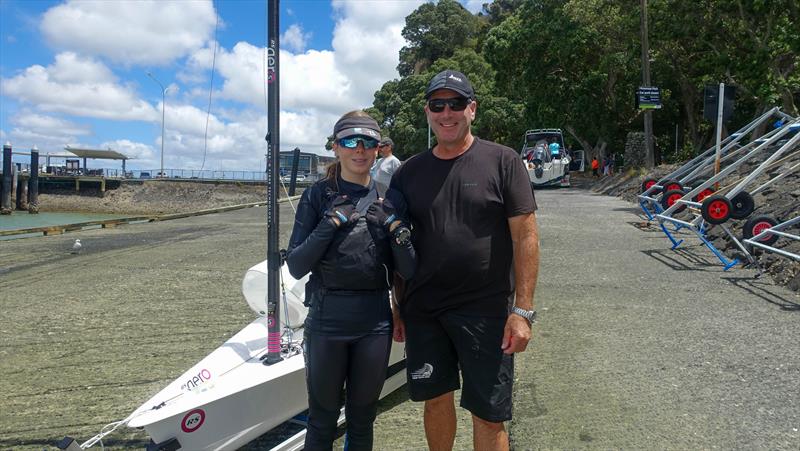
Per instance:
(342,211)
(382,212)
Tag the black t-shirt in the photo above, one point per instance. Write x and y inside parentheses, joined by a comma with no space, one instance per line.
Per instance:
(459,209)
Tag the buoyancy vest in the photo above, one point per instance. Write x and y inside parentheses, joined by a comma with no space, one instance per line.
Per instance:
(359,256)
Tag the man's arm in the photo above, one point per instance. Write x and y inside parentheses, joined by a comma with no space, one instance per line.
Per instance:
(525,238)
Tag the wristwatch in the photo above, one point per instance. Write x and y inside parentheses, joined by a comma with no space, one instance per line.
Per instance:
(402,235)
(530,315)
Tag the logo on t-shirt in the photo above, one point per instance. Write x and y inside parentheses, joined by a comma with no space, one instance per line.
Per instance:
(466,185)
(423,373)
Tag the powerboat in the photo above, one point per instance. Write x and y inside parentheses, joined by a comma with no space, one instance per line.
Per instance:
(546,158)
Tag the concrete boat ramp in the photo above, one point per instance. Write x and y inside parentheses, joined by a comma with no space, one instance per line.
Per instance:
(638,346)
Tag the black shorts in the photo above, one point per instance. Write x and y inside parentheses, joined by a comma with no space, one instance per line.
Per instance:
(437,347)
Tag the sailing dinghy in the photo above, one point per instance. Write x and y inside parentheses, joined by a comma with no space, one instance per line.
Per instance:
(255,381)
(230,397)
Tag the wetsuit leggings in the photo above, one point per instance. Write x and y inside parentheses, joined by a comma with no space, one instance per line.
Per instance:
(332,360)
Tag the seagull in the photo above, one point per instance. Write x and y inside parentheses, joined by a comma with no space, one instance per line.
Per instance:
(76,247)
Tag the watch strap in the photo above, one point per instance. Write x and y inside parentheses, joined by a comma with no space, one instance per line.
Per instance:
(530,315)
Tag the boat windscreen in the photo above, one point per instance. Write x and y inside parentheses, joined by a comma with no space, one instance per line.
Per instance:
(533,139)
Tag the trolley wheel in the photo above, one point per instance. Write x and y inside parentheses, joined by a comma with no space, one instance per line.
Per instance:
(671,185)
(716,209)
(758,224)
(743,205)
(696,182)
(703,194)
(669,198)
(647,183)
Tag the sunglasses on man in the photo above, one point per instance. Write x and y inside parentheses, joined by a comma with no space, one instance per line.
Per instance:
(352,142)
(455,104)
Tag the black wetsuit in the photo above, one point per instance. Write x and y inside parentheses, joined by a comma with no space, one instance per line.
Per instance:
(349,324)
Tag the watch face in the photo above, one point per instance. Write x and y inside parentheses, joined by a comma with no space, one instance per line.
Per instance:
(402,235)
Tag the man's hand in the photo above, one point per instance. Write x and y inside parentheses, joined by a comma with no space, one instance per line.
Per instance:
(399,332)
(516,334)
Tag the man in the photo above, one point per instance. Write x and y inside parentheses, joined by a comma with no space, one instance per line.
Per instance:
(387,164)
(472,210)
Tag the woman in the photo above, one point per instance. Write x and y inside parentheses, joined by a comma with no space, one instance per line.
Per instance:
(351,240)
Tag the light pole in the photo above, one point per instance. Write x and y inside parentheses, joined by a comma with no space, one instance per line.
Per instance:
(163,105)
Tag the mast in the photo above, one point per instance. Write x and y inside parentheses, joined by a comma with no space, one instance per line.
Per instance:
(273,154)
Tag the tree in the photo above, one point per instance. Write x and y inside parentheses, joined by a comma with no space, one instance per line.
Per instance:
(435,31)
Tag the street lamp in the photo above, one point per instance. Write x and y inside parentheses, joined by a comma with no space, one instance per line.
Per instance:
(163,105)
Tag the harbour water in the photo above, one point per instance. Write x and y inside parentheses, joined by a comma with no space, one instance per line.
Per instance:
(25,220)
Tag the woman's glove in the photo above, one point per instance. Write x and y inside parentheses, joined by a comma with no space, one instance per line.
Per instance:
(342,211)
(382,213)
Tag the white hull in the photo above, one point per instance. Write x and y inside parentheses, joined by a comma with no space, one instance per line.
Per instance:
(550,173)
(230,398)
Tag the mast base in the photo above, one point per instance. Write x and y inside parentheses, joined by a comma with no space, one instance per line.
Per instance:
(270,359)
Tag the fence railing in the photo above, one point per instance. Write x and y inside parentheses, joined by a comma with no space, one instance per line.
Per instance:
(144,174)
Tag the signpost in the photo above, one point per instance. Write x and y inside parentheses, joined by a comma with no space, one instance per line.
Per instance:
(648,98)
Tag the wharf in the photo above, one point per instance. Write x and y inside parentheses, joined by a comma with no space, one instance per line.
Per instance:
(637,346)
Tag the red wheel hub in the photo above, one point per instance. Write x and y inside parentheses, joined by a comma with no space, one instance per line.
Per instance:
(760,227)
(649,184)
(718,209)
(703,194)
(672,199)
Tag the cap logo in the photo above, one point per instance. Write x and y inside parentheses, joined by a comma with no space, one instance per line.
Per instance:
(455,78)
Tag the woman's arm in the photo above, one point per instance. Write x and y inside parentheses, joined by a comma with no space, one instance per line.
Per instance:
(311,235)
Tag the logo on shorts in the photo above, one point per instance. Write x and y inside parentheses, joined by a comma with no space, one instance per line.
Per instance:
(423,373)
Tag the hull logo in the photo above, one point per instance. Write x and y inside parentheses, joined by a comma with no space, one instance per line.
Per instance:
(193,420)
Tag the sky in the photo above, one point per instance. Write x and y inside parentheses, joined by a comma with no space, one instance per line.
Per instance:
(75,73)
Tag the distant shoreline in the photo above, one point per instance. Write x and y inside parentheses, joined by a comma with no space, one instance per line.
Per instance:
(152,198)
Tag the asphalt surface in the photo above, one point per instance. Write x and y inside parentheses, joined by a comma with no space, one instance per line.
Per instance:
(637,346)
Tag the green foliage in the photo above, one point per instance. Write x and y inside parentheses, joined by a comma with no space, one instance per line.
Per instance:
(575,65)
(435,31)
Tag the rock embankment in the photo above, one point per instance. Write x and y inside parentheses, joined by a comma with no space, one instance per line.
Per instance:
(781,200)
(154,197)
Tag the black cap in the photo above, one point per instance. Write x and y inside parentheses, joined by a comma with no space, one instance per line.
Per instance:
(452,80)
(356,126)
(387,141)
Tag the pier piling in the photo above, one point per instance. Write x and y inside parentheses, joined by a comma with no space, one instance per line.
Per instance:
(22,191)
(33,183)
(5,194)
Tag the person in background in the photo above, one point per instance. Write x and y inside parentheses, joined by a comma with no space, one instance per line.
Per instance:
(595,167)
(555,150)
(387,164)
(469,306)
(351,239)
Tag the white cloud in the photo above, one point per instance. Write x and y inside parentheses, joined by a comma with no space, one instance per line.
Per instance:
(63,87)
(294,39)
(49,125)
(130,31)
(48,133)
(133,150)
(317,86)
(366,41)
